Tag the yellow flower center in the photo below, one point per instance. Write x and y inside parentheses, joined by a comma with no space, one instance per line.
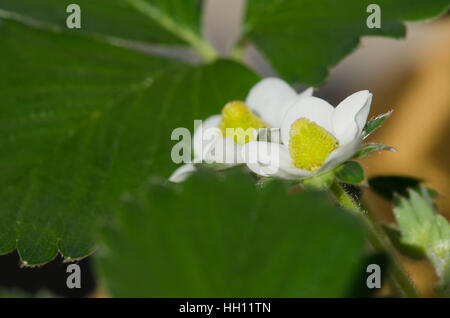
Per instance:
(239,123)
(310,144)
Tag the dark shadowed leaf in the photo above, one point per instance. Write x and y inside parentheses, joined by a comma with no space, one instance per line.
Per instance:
(388,186)
(223,237)
(359,287)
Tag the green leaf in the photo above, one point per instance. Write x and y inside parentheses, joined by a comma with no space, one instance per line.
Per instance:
(388,186)
(359,288)
(223,237)
(369,148)
(82,123)
(421,226)
(154,21)
(395,235)
(16,293)
(375,123)
(350,172)
(303,38)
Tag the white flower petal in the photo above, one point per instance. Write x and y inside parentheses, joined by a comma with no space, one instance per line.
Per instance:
(269,135)
(223,150)
(312,108)
(339,155)
(204,135)
(306,93)
(269,99)
(293,173)
(271,160)
(350,116)
(264,158)
(182,173)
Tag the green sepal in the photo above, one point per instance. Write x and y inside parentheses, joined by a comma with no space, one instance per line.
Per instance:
(376,123)
(371,147)
(350,172)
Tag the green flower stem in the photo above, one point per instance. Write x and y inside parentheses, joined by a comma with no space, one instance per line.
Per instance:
(378,240)
(238,51)
(206,51)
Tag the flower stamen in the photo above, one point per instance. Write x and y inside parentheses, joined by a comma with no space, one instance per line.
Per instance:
(239,123)
(310,144)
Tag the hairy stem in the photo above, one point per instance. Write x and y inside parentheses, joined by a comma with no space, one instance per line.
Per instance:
(206,51)
(378,240)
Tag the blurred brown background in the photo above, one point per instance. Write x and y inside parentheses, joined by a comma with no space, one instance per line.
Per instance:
(410,76)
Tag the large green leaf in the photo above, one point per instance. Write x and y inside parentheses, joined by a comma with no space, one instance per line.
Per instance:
(81,123)
(155,21)
(221,236)
(303,38)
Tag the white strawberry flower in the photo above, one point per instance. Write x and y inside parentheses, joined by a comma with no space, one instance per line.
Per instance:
(265,106)
(315,138)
